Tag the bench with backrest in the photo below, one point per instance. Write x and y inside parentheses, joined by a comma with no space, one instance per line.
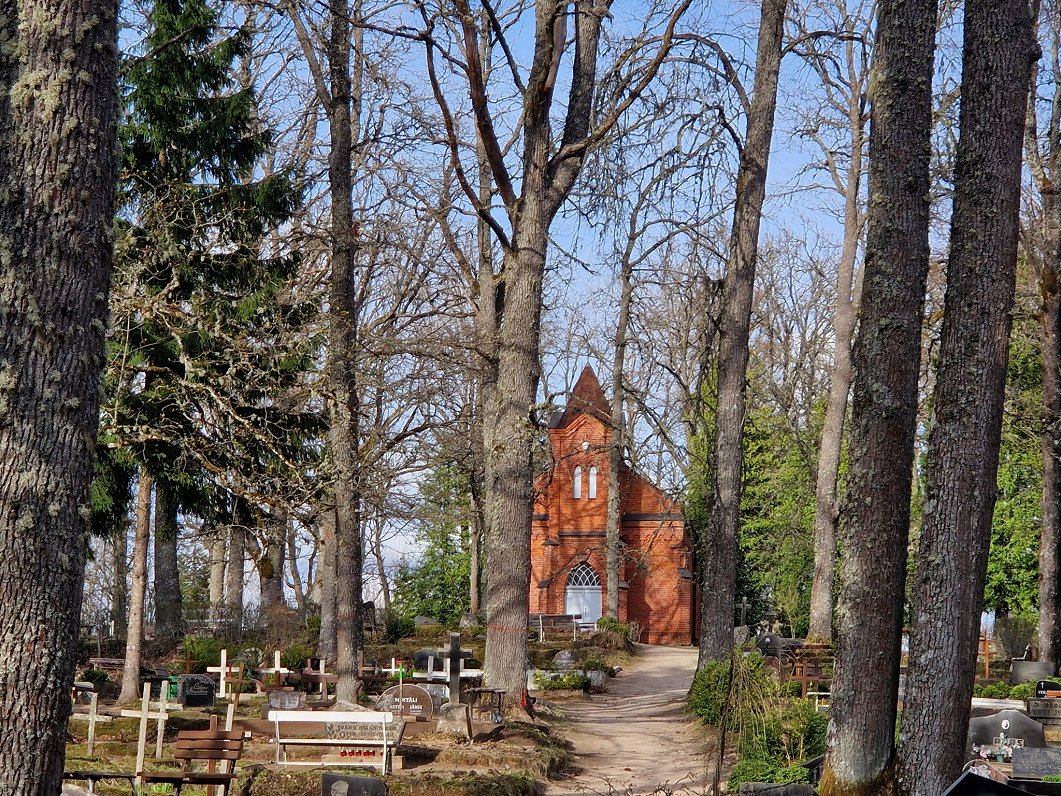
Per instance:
(813,669)
(362,738)
(546,621)
(216,749)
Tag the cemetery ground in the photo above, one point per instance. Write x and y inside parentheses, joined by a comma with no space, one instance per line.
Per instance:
(509,759)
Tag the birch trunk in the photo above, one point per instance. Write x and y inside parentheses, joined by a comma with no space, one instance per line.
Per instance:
(120,593)
(617,443)
(217,579)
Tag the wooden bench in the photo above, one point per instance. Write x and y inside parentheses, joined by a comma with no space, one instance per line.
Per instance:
(813,669)
(364,738)
(211,747)
(92,777)
(544,621)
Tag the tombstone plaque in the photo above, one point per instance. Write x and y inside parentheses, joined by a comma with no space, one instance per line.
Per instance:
(1045,689)
(340,785)
(1003,732)
(197,691)
(1036,762)
(287,700)
(423,658)
(407,700)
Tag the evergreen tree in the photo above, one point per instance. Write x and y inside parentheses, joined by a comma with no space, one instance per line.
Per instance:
(206,342)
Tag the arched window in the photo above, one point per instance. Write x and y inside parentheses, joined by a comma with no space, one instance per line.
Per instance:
(592,483)
(583,575)
(577,493)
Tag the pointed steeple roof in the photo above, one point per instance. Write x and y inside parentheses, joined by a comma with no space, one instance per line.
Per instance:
(586,396)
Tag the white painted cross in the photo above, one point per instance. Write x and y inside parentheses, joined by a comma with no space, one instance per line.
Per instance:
(281,672)
(224,670)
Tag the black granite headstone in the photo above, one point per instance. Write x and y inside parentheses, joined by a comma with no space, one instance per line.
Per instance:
(1036,762)
(422,657)
(340,785)
(197,691)
(970,784)
(1011,724)
(1043,686)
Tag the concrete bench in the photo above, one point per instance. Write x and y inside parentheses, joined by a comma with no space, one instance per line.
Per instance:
(363,738)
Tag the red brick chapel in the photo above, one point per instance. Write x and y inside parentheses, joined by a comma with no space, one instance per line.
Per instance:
(568,532)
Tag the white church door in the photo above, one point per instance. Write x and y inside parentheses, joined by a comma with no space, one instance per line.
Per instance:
(583,594)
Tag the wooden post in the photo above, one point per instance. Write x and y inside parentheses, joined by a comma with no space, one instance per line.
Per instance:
(224,670)
(141,741)
(163,703)
(93,701)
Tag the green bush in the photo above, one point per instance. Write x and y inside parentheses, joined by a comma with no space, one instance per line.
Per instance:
(998,690)
(397,627)
(202,651)
(614,625)
(1022,691)
(570,681)
(295,656)
(95,676)
(757,769)
(753,690)
(796,732)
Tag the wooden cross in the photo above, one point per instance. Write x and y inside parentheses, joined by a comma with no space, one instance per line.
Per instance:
(280,671)
(453,660)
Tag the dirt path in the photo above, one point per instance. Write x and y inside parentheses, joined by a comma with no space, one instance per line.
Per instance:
(636,739)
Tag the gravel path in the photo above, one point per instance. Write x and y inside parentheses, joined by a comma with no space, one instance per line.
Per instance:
(637,739)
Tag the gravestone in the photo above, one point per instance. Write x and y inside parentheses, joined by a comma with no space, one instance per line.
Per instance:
(469,621)
(1003,732)
(455,719)
(420,621)
(287,700)
(1036,762)
(423,658)
(341,785)
(566,660)
(455,655)
(1043,689)
(197,691)
(1025,671)
(407,700)
(970,784)
(439,693)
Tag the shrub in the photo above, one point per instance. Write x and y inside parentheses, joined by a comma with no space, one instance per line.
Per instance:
(397,627)
(95,676)
(997,690)
(570,681)
(203,651)
(295,656)
(1013,633)
(613,625)
(1022,691)
(752,692)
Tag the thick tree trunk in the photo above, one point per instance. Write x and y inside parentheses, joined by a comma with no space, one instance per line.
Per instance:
(826,511)
(57,173)
(970,389)
(169,619)
(344,429)
(326,579)
(271,563)
(237,558)
(217,579)
(297,589)
(512,470)
(134,639)
(1050,533)
(876,515)
(718,547)
(617,443)
(120,586)
(381,568)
